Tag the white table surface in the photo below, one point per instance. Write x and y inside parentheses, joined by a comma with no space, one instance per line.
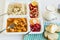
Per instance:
(17,36)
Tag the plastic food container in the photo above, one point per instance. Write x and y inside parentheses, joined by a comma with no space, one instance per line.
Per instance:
(23,16)
(14,7)
(5,24)
(41,25)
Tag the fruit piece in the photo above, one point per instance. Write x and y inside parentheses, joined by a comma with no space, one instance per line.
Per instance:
(35,28)
(30,6)
(31,21)
(31,25)
(34,3)
(34,21)
(38,25)
(33,10)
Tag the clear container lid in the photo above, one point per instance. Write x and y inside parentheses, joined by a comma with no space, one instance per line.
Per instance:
(51,8)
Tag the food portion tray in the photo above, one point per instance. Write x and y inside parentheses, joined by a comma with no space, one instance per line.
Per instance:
(24,16)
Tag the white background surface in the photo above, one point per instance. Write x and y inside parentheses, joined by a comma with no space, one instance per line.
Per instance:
(20,37)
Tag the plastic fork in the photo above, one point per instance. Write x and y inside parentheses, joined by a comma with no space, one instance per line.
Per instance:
(10,26)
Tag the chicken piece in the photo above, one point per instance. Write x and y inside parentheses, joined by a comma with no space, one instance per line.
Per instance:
(16,22)
(12,30)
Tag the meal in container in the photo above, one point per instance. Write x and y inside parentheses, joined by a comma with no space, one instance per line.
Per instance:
(35,25)
(33,7)
(17,9)
(20,24)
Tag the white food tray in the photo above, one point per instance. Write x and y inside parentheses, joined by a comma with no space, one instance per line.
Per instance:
(24,16)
